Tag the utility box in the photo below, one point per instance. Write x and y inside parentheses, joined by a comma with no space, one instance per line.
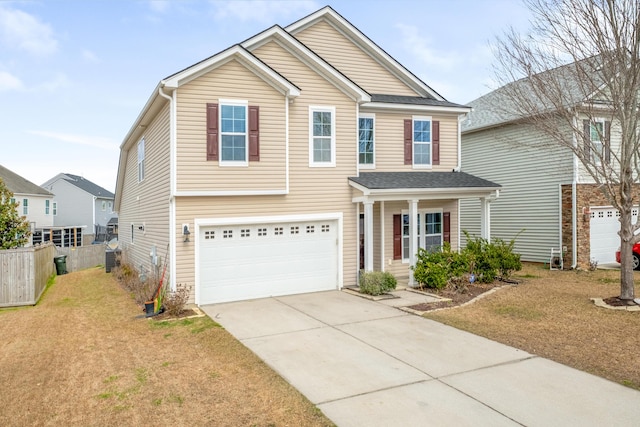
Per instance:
(111,259)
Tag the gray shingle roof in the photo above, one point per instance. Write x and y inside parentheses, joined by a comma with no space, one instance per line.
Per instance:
(426,180)
(88,186)
(412,100)
(19,185)
(565,85)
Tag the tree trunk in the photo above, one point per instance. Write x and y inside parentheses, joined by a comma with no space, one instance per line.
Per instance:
(626,252)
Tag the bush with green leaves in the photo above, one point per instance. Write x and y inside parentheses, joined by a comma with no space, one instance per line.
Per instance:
(486,260)
(377,282)
(434,269)
(14,229)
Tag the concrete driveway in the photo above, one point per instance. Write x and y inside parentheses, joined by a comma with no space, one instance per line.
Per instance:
(367,363)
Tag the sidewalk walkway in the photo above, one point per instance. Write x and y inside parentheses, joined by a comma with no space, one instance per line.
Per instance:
(367,363)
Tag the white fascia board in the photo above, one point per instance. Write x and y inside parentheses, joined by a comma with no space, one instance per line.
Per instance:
(246,58)
(431,194)
(426,108)
(300,51)
(355,35)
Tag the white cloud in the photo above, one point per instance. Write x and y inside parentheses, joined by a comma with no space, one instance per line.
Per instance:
(9,82)
(57,82)
(262,11)
(422,50)
(91,141)
(22,31)
(90,56)
(159,6)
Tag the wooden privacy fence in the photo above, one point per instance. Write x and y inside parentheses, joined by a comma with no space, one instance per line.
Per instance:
(83,256)
(24,273)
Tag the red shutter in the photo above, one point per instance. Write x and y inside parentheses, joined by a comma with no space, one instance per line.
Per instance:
(397,237)
(254,133)
(435,141)
(607,139)
(212,131)
(446,226)
(408,141)
(586,126)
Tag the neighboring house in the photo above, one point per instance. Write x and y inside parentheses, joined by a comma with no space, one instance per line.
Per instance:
(80,202)
(34,202)
(548,197)
(289,162)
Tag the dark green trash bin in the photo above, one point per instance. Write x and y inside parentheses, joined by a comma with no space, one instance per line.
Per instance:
(61,264)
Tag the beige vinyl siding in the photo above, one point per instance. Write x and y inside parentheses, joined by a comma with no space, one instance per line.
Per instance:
(147,202)
(531,175)
(352,61)
(231,81)
(389,140)
(397,267)
(312,190)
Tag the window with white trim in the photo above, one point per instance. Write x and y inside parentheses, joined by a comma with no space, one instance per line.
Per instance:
(596,133)
(110,206)
(25,206)
(366,137)
(47,207)
(104,205)
(55,208)
(429,232)
(141,160)
(233,133)
(422,141)
(322,147)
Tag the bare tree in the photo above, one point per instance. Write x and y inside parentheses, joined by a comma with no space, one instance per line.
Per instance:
(580,63)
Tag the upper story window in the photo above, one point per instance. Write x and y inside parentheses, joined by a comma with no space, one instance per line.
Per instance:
(141,160)
(25,206)
(597,134)
(55,208)
(596,131)
(233,133)
(104,205)
(46,207)
(322,150)
(422,141)
(366,137)
(110,206)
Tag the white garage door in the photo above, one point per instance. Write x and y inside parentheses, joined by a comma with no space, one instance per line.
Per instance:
(239,262)
(604,233)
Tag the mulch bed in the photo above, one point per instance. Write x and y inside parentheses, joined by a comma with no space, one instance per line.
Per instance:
(617,302)
(456,298)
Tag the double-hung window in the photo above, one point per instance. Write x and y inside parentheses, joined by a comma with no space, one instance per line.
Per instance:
(430,232)
(596,133)
(25,206)
(322,146)
(141,160)
(55,208)
(422,141)
(233,133)
(366,137)
(46,207)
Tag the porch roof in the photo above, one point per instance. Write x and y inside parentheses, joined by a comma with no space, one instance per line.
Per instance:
(421,185)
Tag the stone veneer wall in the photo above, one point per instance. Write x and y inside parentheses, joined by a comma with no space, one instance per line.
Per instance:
(587,195)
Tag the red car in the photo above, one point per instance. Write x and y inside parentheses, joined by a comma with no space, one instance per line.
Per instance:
(635,257)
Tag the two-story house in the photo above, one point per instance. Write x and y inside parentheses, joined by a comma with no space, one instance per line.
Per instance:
(80,202)
(289,162)
(34,202)
(549,200)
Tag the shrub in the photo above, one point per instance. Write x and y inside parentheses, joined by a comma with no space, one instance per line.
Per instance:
(175,302)
(434,269)
(141,288)
(491,259)
(377,282)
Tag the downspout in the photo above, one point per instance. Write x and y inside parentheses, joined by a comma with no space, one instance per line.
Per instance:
(93,214)
(574,201)
(172,184)
(461,117)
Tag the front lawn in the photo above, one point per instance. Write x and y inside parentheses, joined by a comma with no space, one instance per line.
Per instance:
(550,315)
(81,357)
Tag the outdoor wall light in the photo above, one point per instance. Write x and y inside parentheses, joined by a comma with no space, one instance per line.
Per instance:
(186,232)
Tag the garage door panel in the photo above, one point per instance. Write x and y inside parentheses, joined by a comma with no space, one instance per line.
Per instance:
(604,238)
(262,260)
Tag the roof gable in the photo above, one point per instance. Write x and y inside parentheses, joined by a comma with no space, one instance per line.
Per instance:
(333,18)
(310,58)
(19,185)
(88,186)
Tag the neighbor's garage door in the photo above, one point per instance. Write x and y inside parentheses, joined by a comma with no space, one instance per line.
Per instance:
(261,260)
(604,233)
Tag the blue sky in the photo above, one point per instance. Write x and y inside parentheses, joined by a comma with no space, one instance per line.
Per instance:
(75,74)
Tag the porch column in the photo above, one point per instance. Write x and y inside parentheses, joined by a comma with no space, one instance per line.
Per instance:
(413,239)
(485,218)
(368,236)
(382,267)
